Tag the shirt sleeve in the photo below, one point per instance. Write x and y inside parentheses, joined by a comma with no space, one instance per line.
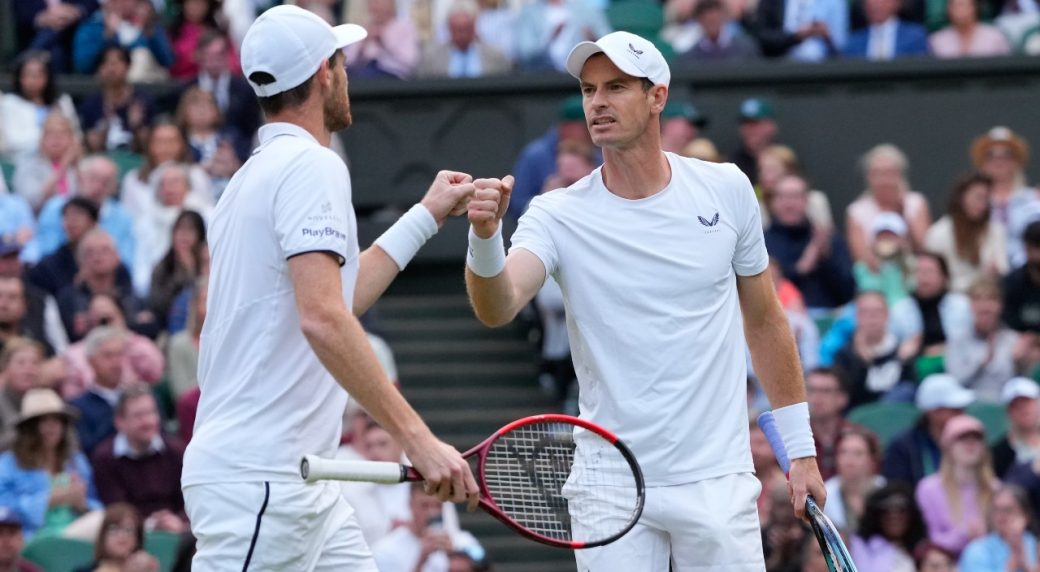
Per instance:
(533,234)
(312,208)
(750,257)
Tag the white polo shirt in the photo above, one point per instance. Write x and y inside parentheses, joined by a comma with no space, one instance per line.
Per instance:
(266,399)
(653,316)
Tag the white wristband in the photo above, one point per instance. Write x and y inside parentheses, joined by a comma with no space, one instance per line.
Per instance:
(487,256)
(402,240)
(793,423)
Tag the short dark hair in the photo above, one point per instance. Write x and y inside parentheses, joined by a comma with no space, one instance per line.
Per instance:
(646,83)
(939,259)
(829,372)
(1031,236)
(705,6)
(124,54)
(85,205)
(131,393)
(209,37)
(289,98)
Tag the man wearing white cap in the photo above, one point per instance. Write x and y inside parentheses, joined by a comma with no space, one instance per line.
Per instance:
(286,273)
(1021,443)
(656,255)
(915,453)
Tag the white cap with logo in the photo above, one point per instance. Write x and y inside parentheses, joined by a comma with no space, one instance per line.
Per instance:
(632,54)
(1019,387)
(289,43)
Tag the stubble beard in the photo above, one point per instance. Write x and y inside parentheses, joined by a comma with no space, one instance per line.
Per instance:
(337,112)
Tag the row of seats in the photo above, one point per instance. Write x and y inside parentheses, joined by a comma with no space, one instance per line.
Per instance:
(55,554)
(888,419)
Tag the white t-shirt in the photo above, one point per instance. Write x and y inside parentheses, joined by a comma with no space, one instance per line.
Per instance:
(399,551)
(653,314)
(266,399)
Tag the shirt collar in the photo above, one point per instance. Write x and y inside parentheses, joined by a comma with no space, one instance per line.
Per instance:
(121,447)
(109,395)
(208,82)
(272,130)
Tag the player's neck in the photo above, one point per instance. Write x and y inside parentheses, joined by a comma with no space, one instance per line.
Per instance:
(637,172)
(310,118)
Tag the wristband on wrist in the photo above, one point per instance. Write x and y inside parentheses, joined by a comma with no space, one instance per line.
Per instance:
(487,256)
(793,423)
(404,239)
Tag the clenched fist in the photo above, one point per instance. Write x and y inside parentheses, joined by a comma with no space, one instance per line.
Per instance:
(489,203)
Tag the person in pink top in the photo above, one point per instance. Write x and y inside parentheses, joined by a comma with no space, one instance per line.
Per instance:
(954,501)
(966,36)
(197,17)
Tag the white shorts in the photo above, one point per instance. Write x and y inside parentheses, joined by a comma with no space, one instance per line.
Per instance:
(707,525)
(275,527)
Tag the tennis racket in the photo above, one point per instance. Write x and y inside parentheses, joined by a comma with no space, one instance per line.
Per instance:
(555,479)
(833,547)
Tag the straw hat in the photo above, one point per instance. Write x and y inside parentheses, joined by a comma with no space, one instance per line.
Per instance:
(999,136)
(40,402)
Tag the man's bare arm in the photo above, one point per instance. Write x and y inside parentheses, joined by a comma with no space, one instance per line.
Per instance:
(497,300)
(497,297)
(773,350)
(340,343)
(775,358)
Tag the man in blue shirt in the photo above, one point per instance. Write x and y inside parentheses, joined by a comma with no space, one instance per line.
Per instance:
(98,181)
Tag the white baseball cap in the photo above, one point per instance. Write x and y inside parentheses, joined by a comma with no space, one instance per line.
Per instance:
(942,390)
(1019,387)
(632,54)
(290,43)
(891,222)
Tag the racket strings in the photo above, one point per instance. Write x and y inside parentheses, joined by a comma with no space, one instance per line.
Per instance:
(570,490)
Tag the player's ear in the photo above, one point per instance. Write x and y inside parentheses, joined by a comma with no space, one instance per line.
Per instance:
(658,96)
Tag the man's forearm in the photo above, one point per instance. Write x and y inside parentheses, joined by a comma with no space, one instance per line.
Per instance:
(492,298)
(775,358)
(376,270)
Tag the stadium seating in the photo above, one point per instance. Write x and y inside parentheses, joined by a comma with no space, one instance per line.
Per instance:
(993,417)
(162,545)
(7,171)
(887,419)
(55,554)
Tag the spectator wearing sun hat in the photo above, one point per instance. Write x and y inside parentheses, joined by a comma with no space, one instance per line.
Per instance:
(915,453)
(1003,155)
(44,477)
(1021,443)
(12,540)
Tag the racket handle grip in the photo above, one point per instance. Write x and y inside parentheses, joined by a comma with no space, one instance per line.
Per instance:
(768,426)
(314,468)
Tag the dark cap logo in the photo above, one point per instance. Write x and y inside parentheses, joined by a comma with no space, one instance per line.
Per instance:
(633,49)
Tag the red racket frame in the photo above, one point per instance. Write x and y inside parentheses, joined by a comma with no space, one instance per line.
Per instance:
(480,451)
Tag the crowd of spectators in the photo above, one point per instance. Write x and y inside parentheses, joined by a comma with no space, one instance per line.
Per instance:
(103,265)
(470,38)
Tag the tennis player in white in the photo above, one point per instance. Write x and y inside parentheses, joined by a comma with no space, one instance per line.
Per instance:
(658,258)
(286,272)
